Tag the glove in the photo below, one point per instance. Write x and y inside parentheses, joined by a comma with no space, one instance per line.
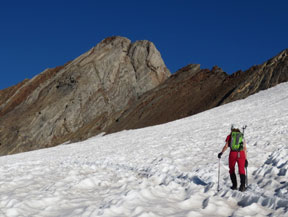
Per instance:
(219,155)
(246,163)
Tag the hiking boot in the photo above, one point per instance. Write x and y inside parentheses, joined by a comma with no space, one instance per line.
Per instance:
(242,186)
(234,181)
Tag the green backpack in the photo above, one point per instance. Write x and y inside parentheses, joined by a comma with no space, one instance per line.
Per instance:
(236,141)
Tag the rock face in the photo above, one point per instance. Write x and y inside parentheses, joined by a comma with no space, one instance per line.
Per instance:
(192,90)
(78,99)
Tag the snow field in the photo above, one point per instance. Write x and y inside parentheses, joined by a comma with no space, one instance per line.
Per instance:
(165,170)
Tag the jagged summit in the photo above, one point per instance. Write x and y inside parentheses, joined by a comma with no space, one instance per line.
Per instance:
(80,97)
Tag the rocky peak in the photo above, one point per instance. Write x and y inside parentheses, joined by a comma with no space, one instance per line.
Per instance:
(283,54)
(189,68)
(147,63)
(80,98)
(217,69)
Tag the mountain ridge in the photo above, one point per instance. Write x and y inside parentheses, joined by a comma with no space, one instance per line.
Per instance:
(118,85)
(222,89)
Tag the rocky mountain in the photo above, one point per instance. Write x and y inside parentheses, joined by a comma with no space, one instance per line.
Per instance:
(192,90)
(84,95)
(119,85)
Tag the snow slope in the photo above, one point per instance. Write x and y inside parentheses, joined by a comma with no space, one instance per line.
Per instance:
(165,170)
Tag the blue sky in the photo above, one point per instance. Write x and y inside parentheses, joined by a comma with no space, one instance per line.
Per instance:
(234,35)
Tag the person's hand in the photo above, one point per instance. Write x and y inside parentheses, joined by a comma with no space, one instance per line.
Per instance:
(219,155)
(246,163)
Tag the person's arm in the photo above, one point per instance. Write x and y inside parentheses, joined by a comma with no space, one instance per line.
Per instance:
(223,150)
(225,147)
(245,149)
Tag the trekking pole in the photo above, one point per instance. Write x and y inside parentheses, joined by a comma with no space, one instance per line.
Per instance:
(243,128)
(246,178)
(218,188)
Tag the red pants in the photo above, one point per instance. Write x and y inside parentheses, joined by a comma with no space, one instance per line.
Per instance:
(238,157)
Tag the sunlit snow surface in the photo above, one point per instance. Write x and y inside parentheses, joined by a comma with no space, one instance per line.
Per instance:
(165,170)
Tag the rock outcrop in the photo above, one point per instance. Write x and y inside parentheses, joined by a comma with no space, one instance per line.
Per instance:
(78,99)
